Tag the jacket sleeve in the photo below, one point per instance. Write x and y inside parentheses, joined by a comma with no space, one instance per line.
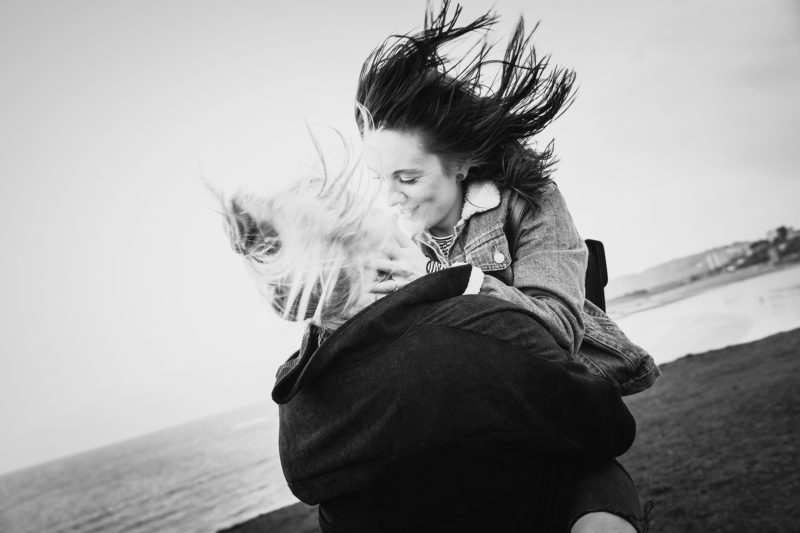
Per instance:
(549,268)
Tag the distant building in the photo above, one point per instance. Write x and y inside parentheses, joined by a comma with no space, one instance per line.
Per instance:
(723,257)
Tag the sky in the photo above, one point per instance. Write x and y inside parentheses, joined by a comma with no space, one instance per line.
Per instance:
(124,311)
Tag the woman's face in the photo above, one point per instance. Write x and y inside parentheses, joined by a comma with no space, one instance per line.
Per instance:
(421,189)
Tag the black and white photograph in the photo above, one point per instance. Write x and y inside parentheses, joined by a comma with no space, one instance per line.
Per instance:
(421,266)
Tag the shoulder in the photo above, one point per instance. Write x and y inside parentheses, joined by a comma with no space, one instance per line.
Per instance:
(518,210)
(547,218)
(494,319)
(548,207)
(548,195)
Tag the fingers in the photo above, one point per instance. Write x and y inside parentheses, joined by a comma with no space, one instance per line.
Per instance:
(385,286)
(391,267)
(382,264)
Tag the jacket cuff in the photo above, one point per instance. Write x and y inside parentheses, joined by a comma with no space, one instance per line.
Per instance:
(475,281)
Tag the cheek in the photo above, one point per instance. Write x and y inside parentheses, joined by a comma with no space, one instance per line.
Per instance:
(427,195)
(446,196)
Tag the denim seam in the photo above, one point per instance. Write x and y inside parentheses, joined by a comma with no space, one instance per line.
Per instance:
(479,240)
(588,362)
(618,350)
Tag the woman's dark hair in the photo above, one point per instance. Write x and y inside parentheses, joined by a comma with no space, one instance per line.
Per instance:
(407,85)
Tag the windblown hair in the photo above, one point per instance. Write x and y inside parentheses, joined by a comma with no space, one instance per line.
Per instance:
(305,247)
(406,84)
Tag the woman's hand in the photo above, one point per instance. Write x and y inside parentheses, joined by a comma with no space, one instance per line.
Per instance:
(401,261)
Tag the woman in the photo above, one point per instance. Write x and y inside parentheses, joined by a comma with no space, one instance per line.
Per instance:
(453,155)
(432,409)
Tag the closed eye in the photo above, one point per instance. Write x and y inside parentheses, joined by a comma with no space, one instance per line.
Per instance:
(409,176)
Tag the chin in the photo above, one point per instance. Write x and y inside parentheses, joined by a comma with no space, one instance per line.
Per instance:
(411,226)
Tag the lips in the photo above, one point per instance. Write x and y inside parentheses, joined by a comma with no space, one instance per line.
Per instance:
(407,212)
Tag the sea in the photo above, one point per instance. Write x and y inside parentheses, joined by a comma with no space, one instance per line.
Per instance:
(729,314)
(223,470)
(202,476)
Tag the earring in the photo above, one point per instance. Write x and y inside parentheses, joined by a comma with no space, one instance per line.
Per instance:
(460,177)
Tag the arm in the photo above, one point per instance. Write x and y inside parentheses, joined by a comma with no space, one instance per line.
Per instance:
(549,268)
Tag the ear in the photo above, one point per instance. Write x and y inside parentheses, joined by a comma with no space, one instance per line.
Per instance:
(461,169)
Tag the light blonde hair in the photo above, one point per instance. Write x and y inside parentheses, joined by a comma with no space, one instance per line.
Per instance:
(306,246)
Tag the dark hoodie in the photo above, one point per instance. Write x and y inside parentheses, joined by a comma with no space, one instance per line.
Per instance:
(434,409)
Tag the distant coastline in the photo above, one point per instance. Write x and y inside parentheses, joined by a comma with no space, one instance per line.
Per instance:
(781,246)
(643,300)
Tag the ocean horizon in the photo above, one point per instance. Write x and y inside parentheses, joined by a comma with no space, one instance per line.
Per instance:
(200,476)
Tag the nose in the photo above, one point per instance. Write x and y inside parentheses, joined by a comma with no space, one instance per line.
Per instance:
(392,195)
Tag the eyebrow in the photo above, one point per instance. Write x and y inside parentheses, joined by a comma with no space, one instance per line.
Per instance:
(397,172)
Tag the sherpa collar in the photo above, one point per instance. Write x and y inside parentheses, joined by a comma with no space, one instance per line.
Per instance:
(481,196)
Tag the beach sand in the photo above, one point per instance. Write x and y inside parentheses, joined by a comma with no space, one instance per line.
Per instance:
(716,450)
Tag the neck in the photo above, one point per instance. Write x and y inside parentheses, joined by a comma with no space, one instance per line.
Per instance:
(438,232)
(447,226)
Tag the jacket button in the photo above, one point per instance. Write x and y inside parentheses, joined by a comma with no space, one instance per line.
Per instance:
(499,257)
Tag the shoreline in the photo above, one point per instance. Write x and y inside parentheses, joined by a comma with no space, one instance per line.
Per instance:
(622,306)
(694,452)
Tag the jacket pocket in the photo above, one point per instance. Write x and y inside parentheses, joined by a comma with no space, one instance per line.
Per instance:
(489,253)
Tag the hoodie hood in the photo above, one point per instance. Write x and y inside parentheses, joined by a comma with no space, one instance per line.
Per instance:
(372,329)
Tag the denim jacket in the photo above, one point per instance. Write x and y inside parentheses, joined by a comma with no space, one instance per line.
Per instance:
(547,278)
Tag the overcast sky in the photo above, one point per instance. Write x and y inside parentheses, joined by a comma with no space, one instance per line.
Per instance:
(123,309)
